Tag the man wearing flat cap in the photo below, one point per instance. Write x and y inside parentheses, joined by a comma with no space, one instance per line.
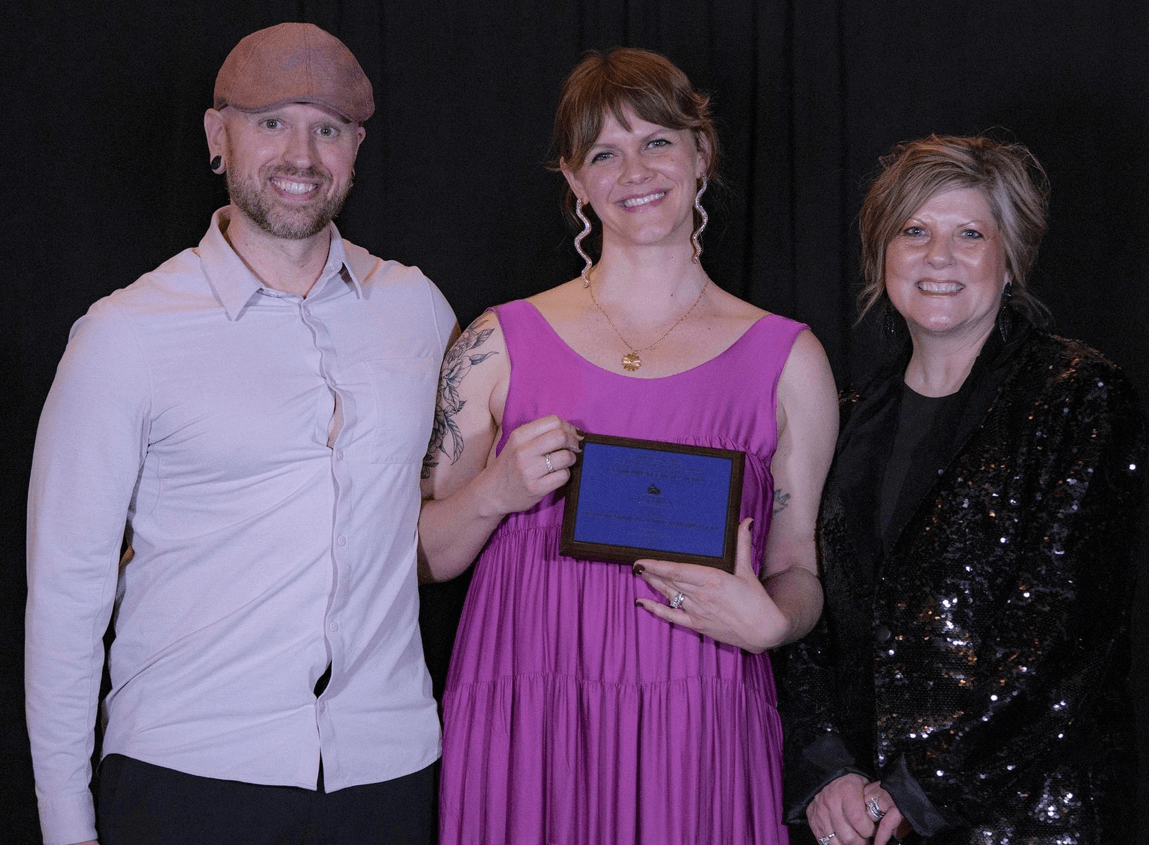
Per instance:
(251,416)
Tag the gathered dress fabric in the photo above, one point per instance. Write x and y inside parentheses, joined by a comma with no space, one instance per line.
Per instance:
(572,716)
(974,655)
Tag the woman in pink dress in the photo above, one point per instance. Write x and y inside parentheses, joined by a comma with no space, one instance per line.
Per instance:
(589,702)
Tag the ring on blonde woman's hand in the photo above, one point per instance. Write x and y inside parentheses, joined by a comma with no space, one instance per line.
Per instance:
(825,840)
(550,466)
(875,809)
(677,601)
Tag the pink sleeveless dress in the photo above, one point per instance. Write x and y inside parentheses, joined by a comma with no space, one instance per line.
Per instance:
(571,716)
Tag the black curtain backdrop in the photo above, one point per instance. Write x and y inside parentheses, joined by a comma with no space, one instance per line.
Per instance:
(107,174)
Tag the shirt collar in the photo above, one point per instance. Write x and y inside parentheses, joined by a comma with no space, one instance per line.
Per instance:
(234,283)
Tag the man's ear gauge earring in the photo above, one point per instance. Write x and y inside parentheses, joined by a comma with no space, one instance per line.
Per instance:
(217,164)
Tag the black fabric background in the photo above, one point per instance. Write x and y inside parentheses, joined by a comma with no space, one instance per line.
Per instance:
(106,170)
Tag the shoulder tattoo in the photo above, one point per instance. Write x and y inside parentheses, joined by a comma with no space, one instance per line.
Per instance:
(446,439)
(781,499)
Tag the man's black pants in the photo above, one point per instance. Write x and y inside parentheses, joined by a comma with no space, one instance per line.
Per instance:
(142,804)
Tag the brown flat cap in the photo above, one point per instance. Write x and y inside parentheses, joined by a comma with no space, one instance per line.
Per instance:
(294,63)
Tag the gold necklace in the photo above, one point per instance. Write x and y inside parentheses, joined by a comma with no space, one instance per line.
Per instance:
(631,360)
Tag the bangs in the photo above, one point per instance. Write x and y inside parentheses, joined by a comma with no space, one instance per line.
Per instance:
(657,104)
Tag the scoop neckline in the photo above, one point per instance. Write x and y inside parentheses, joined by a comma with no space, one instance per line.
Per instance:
(570,349)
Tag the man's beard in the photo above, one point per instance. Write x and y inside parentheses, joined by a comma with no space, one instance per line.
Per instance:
(280,222)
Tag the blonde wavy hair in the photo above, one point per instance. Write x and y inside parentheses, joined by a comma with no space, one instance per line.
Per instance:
(1008,175)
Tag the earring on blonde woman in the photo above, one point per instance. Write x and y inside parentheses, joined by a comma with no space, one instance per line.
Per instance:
(1005,314)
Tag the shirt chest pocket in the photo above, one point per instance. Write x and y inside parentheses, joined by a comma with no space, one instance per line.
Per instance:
(404,394)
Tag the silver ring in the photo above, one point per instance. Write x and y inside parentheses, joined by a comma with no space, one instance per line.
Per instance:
(875,809)
(825,840)
(677,601)
(550,466)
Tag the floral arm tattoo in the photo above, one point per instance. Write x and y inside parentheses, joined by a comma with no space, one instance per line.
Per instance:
(780,501)
(446,439)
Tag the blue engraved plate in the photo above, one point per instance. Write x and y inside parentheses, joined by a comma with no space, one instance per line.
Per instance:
(637,498)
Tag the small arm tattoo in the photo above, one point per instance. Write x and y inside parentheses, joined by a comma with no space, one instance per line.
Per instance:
(781,499)
(446,439)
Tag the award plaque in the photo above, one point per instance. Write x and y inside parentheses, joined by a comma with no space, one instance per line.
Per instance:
(630,499)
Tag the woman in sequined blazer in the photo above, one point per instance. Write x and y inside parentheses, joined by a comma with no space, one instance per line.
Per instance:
(967,681)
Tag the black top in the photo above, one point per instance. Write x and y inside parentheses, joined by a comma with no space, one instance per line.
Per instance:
(909,469)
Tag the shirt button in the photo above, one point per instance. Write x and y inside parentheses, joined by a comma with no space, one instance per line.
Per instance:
(342,540)
(322,706)
(333,626)
(881,633)
(339,454)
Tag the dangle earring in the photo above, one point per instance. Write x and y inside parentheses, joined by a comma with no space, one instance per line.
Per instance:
(890,326)
(1005,314)
(696,238)
(216,164)
(578,242)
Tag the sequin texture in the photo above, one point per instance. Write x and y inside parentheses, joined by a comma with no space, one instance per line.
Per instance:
(975,661)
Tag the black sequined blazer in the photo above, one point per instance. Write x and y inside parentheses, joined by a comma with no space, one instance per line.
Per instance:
(974,659)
